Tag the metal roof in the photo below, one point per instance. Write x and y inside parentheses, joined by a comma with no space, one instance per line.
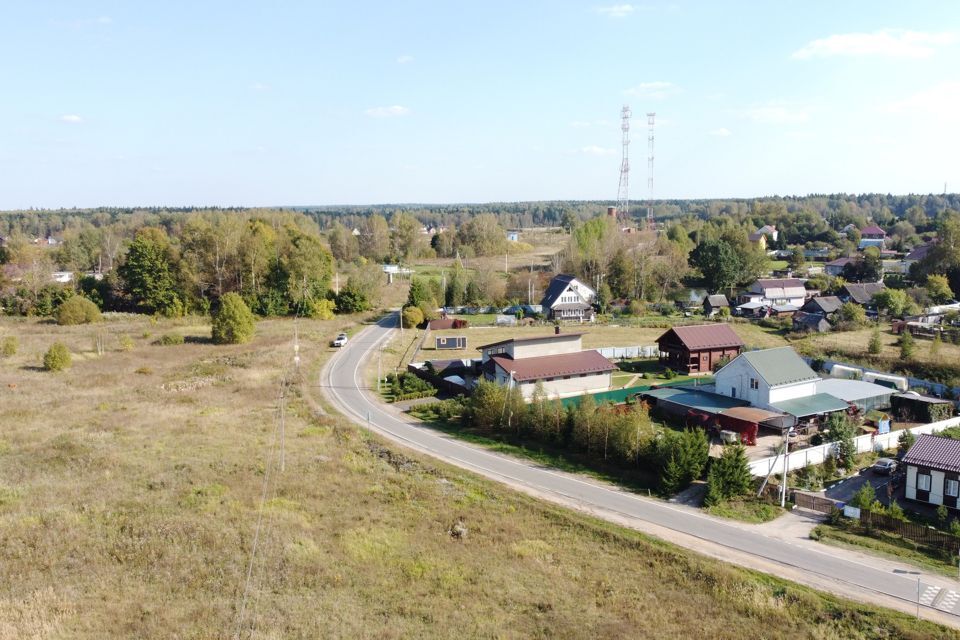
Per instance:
(548,336)
(852,390)
(862,293)
(780,366)
(816,404)
(695,399)
(562,364)
(826,304)
(718,300)
(705,336)
(938,452)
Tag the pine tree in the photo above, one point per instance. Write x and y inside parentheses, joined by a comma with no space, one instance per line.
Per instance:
(671,477)
(875,345)
(907,345)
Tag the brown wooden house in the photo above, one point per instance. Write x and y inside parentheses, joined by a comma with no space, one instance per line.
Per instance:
(696,350)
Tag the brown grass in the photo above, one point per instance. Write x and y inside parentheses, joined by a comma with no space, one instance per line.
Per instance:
(128,503)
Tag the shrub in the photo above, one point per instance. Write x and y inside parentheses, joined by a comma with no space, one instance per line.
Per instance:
(322,309)
(864,497)
(907,345)
(412,317)
(905,441)
(875,345)
(77,310)
(57,357)
(729,476)
(126,343)
(233,322)
(8,346)
(669,373)
(169,340)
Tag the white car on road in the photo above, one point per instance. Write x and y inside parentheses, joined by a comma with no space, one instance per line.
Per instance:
(339,341)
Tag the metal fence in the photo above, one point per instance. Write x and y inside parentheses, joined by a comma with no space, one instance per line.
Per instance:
(622,353)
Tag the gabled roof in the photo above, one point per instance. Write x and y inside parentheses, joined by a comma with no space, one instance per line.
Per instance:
(755,236)
(842,262)
(718,300)
(547,336)
(557,286)
(705,336)
(813,321)
(823,304)
(563,364)
(766,284)
(872,230)
(938,452)
(779,366)
(817,404)
(919,253)
(862,293)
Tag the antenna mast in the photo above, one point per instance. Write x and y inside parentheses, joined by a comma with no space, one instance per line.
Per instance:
(623,197)
(650,117)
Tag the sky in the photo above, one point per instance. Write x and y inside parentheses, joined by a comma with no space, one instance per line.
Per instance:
(235,103)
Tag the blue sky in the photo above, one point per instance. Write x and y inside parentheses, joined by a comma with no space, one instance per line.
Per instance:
(243,103)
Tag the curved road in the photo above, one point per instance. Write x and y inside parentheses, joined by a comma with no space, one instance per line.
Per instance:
(343,383)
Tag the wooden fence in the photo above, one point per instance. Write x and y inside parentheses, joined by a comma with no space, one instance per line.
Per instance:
(916,532)
(814,503)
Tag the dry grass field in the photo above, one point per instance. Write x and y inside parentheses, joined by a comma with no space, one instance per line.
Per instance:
(129,495)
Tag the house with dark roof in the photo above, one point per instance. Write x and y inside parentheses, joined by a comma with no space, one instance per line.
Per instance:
(933,470)
(861,292)
(810,322)
(778,380)
(557,361)
(567,298)
(713,304)
(836,267)
(698,349)
(872,236)
(917,254)
(823,306)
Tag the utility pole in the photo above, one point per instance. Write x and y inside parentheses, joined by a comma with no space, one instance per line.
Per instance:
(786,467)
(379,367)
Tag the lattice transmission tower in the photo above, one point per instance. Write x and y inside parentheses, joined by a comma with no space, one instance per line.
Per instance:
(623,193)
(650,119)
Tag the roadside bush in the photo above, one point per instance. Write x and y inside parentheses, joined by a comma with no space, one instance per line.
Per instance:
(233,323)
(322,309)
(77,310)
(682,455)
(57,357)
(412,317)
(407,386)
(8,346)
(729,476)
(169,340)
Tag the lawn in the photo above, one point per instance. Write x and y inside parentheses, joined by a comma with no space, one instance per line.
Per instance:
(887,544)
(131,488)
(752,510)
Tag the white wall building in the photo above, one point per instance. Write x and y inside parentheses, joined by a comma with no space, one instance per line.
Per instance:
(766,377)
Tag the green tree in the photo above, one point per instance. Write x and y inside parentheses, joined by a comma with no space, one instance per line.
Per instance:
(351,300)
(905,441)
(374,238)
(309,267)
(57,357)
(233,322)
(864,497)
(938,288)
(148,273)
(797,260)
(412,317)
(840,430)
(907,345)
(935,347)
(718,263)
(893,301)
(77,310)
(729,475)
(853,314)
(875,346)
(483,234)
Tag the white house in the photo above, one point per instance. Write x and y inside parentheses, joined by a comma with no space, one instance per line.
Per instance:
(933,470)
(568,299)
(556,360)
(764,378)
(772,292)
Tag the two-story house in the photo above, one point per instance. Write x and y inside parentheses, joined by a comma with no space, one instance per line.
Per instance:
(568,299)
(784,294)
(872,236)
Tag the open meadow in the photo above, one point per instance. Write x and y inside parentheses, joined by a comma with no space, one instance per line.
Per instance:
(131,487)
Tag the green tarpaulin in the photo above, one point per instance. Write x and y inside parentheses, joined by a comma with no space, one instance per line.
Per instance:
(816,404)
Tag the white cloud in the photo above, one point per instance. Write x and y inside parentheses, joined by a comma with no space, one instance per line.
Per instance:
(891,43)
(404,59)
(387,112)
(939,101)
(722,132)
(71,118)
(594,150)
(777,114)
(657,90)
(616,10)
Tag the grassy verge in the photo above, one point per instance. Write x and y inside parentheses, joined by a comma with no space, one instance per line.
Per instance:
(746,510)
(886,544)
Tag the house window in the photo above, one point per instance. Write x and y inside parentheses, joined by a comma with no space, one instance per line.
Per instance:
(733,392)
(952,488)
(754,384)
(923,481)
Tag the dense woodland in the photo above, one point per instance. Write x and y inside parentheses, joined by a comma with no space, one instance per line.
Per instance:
(282,261)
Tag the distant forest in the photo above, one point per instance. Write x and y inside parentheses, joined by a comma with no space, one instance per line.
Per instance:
(880,208)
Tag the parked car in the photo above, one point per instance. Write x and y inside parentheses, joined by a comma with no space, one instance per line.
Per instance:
(885,466)
(339,341)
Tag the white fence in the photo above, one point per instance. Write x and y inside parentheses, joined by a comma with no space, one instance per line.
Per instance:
(619,353)
(816,455)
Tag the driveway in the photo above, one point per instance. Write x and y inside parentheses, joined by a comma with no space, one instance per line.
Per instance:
(846,489)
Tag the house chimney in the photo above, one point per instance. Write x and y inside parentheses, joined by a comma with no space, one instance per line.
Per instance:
(612,212)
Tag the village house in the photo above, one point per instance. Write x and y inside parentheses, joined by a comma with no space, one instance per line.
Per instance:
(804,321)
(567,298)
(861,292)
(556,360)
(777,380)
(836,267)
(917,254)
(872,236)
(786,294)
(933,470)
(823,306)
(698,349)
(714,303)
(759,240)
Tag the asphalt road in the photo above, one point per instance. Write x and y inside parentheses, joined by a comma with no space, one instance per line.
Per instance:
(344,384)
